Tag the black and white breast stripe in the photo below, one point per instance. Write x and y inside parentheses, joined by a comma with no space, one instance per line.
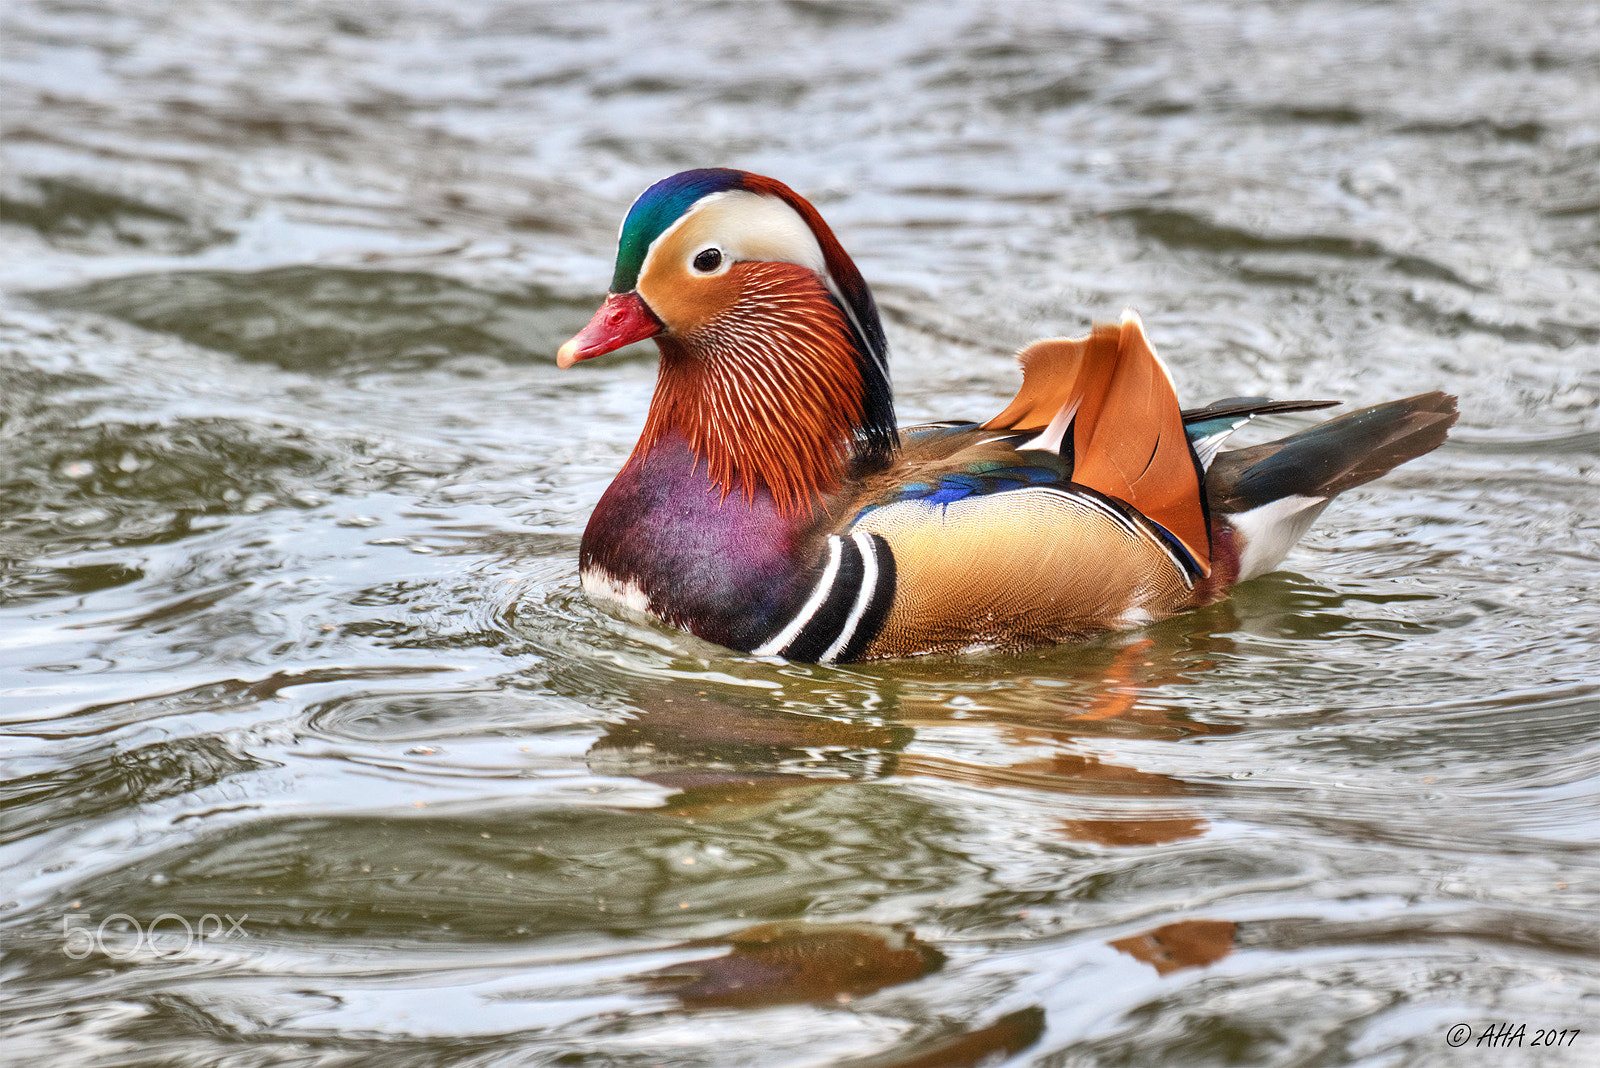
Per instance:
(846,607)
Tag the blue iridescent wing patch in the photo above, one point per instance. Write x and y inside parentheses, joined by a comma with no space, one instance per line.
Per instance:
(977,480)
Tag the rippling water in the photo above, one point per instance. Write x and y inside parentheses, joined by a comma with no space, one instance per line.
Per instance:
(293,652)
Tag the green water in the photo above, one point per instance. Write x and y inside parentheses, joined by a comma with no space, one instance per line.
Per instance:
(295,674)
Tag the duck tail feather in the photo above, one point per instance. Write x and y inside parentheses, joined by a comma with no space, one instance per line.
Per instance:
(1331,457)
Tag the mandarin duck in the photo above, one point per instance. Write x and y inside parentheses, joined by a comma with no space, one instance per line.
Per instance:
(772,506)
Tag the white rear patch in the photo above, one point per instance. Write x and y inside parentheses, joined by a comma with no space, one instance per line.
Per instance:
(1270,531)
(605,589)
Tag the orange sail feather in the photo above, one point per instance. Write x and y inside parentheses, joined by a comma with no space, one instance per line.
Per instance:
(1128,440)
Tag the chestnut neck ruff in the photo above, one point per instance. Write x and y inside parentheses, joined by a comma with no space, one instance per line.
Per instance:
(770,393)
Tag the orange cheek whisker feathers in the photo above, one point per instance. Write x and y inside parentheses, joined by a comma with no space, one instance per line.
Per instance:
(769,394)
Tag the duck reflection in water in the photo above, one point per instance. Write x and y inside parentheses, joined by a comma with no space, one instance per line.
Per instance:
(784,963)
(777,963)
(731,754)
(727,756)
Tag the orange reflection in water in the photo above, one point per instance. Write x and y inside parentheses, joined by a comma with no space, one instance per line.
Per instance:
(1186,944)
(781,963)
(1009,1035)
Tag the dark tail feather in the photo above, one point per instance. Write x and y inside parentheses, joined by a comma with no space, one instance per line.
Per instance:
(1331,457)
(1249,406)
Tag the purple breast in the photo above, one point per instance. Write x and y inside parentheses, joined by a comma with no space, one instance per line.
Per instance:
(722,568)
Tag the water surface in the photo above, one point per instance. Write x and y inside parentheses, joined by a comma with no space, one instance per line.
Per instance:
(291,493)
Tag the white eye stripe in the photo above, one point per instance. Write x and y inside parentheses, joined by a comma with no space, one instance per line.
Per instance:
(746,226)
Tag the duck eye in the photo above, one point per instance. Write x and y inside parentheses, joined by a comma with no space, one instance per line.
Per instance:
(708,260)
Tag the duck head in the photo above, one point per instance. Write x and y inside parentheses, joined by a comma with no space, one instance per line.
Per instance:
(774,367)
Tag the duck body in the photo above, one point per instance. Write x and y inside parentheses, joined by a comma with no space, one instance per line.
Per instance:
(772,505)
